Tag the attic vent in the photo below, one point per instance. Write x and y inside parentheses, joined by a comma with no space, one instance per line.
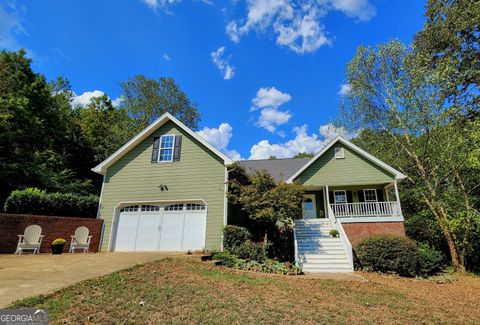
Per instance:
(339,153)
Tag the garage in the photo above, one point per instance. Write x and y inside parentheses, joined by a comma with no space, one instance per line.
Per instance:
(161,227)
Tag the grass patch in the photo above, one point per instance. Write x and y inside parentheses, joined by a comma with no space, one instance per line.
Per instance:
(186,291)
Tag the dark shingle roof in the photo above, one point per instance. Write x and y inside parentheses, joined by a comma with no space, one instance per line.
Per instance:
(280,169)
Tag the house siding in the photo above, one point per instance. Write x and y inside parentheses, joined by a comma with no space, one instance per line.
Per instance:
(354,169)
(200,174)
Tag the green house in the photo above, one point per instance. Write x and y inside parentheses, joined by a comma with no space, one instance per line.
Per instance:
(165,190)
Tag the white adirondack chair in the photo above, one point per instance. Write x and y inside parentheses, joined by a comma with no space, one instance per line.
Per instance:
(81,240)
(30,240)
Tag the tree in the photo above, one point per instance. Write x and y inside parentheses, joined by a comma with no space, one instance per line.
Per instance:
(29,120)
(429,140)
(448,48)
(304,155)
(266,202)
(146,99)
(104,127)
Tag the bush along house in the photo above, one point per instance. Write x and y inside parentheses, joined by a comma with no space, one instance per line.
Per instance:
(165,190)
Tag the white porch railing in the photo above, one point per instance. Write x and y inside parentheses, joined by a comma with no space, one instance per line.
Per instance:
(366,209)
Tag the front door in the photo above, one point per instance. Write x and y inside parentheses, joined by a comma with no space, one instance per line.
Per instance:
(309,206)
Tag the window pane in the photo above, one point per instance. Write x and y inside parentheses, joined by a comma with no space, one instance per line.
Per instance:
(166,154)
(340,197)
(308,204)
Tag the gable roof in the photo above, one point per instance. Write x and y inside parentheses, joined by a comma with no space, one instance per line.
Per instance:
(398,175)
(279,169)
(102,167)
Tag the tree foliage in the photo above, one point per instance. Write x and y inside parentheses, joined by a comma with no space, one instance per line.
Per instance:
(304,155)
(410,126)
(448,49)
(268,202)
(146,99)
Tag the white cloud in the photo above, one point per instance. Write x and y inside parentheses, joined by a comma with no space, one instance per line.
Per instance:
(295,23)
(303,142)
(155,4)
(269,100)
(270,118)
(269,97)
(117,101)
(344,89)
(360,9)
(220,138)
(11,27)
(86,97)
(166,57)
(223,64)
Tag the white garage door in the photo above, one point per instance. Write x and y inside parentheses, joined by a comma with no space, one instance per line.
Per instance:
(172,227)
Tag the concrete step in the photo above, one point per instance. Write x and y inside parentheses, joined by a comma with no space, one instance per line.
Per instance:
(325,256)
(321,251)
(332,270)
(324,261)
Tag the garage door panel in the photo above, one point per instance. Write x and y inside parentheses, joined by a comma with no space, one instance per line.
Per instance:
(147,233)
(126,232)
(194,231)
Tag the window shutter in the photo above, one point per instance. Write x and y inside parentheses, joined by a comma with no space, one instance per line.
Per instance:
(379,195)
(349,197)
(156,145)
(178,148)
(360,196)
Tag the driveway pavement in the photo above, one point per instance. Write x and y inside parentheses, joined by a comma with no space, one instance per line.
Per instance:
(29,275)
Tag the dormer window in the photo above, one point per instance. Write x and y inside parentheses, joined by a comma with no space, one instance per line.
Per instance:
(167,143)
(339,153)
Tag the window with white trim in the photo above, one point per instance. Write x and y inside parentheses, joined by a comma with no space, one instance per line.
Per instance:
(370,195)
(340,196)
(130,208)
(339,153)
(167,143)
(146,207)
(195,206)
(174,207)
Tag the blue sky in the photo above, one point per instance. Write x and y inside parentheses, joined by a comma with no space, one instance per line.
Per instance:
(268,75)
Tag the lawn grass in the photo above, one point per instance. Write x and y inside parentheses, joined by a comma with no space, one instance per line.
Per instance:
(187,291)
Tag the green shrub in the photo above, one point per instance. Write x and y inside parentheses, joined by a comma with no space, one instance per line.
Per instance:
(389,254)
(227,259)
(234,236)
(282,246)
(334,233)
(431,260)
(35,201)
(252,251)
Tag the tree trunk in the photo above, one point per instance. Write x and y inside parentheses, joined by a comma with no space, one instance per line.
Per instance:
(441,217)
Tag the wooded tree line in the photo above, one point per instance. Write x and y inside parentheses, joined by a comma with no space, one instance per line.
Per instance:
(47,143)
(418,109)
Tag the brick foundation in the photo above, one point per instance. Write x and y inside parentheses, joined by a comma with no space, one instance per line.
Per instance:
(361,230)
(12,225)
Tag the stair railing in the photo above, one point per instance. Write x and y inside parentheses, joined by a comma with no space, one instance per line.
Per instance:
(295,244)
(343,236)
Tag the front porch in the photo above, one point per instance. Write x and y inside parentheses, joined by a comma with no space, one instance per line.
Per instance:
(354,203)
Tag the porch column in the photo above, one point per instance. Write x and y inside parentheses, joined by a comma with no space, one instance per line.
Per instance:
(327,199)
(397,197)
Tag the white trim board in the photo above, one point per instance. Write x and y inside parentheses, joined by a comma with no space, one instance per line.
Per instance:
(369,219)
(102,167)
(398,175)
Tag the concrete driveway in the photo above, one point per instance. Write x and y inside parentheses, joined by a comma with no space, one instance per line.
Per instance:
(29,275)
